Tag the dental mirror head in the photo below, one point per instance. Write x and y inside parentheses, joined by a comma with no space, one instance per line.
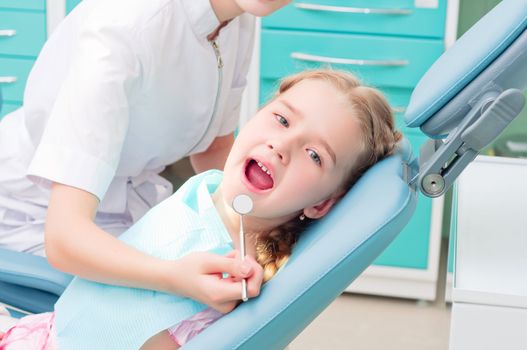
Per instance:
(242,204)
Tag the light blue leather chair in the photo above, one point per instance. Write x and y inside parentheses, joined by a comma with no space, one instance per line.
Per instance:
(463,102)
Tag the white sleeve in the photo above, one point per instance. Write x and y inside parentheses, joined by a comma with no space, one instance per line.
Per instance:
(231,113)
(84,135)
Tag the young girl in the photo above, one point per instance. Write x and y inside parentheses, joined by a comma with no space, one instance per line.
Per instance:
(296,158)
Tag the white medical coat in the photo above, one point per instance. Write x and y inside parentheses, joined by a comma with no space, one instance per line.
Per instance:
(121,89)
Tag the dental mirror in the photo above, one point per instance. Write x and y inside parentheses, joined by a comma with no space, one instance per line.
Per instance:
(242,204)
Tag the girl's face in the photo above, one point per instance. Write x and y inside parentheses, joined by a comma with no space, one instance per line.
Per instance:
(294,154)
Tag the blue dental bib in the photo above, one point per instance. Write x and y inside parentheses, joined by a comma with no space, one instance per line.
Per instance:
(91,315)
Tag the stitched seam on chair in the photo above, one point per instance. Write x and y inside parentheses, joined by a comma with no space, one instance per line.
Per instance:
(445,96)
(322,275)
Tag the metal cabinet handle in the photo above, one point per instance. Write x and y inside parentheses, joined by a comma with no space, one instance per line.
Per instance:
(349,61)
(399,109)
(7,32)
(346,9)
(7,80)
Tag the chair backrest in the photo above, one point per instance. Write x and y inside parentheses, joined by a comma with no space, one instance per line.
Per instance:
(490,56)
(470,95)
(327,258)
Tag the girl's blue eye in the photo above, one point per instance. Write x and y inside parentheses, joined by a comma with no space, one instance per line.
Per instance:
(282,120)
(314,156)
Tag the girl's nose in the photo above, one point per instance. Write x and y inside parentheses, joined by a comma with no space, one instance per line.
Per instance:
(279,150)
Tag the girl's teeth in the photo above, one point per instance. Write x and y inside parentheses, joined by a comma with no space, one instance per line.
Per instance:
(264,168)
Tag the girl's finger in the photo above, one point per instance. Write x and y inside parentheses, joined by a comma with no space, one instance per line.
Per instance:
(254,282)
(226,290)
(234,267)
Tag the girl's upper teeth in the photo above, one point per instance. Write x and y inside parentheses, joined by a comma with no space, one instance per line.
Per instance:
(264,168)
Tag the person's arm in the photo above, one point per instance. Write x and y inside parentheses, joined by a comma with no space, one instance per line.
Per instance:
(215,156)
(74,244)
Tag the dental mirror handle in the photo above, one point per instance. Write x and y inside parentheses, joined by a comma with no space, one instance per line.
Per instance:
(242,249)
(242,204)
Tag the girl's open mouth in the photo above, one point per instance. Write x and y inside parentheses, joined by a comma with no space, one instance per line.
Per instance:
(258,175)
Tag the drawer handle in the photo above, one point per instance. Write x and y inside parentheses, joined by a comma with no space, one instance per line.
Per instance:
(7,32)
(362,10)
(399,109)
(349,61)
(7,80)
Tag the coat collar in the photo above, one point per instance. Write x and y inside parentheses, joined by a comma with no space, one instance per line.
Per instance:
(201,17)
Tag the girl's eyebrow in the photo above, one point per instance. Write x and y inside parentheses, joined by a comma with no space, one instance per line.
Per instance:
(297,112)
(291,108)
(329,150)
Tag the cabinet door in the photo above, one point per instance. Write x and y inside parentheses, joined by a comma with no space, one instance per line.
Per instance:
(13,76)
(377,60)
(391,17)
(22,33)
(23,4)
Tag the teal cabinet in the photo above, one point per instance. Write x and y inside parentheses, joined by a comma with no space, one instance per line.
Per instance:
(395,62)
(394,17)
(15,72)
(38,5)
(23,32)
(388,44)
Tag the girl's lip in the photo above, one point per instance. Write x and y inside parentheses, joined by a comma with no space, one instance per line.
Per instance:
(246,181)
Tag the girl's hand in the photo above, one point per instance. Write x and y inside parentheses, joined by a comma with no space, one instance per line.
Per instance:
(200,276)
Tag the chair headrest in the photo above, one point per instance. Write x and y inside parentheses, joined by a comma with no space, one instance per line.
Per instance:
(467,58)
(404,150)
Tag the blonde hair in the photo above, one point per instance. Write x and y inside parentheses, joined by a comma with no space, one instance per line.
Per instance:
(379,140)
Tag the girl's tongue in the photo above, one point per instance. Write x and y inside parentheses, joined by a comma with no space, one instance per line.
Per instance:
(257,176)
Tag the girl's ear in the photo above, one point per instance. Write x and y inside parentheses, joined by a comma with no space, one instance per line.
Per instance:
(320,209)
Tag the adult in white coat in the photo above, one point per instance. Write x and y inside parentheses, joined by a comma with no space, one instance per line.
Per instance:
(120,90)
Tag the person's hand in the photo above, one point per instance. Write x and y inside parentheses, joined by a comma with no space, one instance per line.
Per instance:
(200,276)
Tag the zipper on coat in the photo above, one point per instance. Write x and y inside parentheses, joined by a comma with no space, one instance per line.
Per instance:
(217,52)
(219,63)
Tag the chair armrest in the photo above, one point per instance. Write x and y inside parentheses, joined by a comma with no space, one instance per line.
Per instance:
(31,271)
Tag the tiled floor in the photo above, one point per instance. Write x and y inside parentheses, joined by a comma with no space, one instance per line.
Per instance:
(374,323)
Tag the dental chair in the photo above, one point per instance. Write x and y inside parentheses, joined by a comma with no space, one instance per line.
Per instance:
(462,103)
